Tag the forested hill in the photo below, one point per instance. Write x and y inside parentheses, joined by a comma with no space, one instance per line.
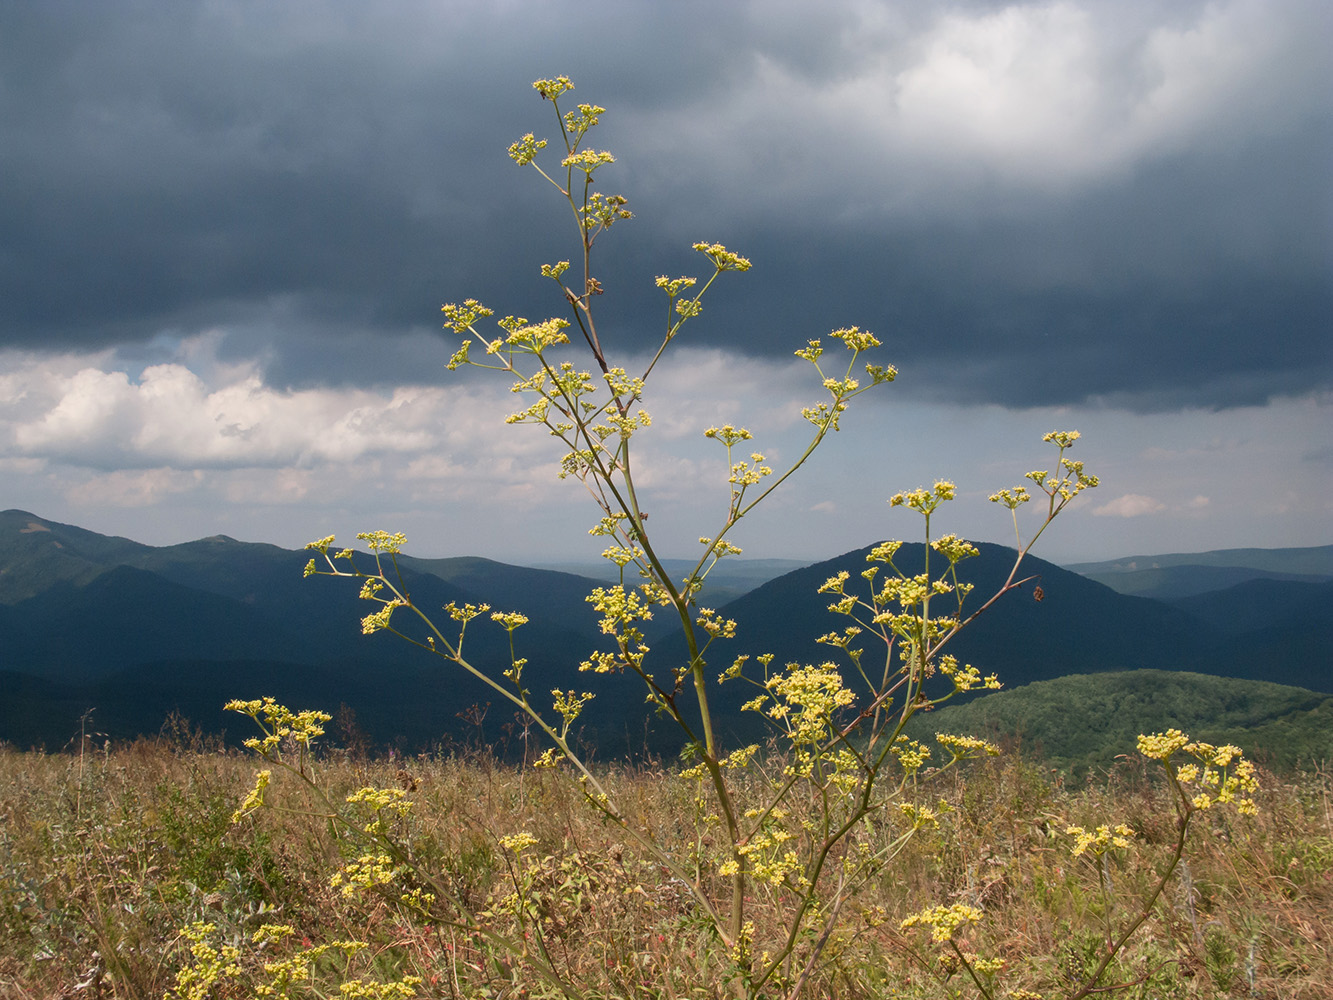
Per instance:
(1084,722)
(135,632)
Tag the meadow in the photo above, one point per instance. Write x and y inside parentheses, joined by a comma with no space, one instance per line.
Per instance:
(110,857)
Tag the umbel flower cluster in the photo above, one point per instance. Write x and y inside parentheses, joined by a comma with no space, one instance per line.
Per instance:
(1215,775)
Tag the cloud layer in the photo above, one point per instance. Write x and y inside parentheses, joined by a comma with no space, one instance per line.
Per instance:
(1035,201)
(195,446)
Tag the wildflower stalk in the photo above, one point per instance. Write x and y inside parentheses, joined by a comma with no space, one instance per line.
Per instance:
(845,761)
(589,431)
(304,729)
(1114,948)
(971,971)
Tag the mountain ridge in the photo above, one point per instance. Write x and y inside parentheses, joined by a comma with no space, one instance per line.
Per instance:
(101,620)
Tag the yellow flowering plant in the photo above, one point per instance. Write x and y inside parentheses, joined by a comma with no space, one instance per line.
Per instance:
(1212,778)
(800,827)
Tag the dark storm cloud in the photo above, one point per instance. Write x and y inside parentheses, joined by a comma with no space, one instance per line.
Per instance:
(1177,287)
(317,178)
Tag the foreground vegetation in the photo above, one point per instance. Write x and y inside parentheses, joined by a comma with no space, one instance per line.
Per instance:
(106,856)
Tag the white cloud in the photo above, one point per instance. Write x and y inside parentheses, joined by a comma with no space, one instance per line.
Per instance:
(1025,96)
(1074,90)
(133,487)
(1138,505)
(169,430)
(1011,87)
(169,417)
(182,451)
(1129,505)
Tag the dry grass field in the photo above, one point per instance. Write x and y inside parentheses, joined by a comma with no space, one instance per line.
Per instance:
(109,859)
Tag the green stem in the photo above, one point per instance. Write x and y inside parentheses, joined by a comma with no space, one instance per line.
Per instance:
(1114,947)
(971,972)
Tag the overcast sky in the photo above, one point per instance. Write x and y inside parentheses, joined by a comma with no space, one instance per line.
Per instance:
(226,230)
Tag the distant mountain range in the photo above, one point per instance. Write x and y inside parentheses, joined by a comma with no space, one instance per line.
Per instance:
(1179,575)
(727,581)
(136,632)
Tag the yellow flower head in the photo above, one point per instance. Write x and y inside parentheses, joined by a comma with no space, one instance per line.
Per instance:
(943,921)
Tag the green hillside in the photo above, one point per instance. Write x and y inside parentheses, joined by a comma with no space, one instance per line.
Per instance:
(1083,721)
